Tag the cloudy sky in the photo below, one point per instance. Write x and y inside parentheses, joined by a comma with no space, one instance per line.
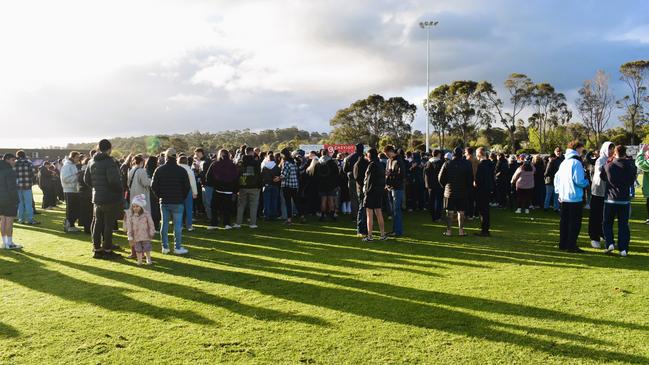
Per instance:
(75,71)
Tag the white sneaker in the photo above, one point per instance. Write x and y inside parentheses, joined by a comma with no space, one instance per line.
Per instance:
(518,211)
(253,226)
(227,227)
(180,251)
(595,244)
(527,211)
(211,228)
(13,246)
(623,253)
(165,251)
(610,248)
(73,229)
(190,229)
(236,226)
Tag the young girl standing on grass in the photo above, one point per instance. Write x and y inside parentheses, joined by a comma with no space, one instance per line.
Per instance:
(139,228)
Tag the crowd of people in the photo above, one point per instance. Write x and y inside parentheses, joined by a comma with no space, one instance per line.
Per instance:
(150,192)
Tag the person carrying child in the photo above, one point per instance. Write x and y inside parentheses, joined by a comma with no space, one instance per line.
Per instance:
(139,228)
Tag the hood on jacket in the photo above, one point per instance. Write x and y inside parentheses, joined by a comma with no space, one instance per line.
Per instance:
(603,152)
(570,153)
(269,164)
(359,148)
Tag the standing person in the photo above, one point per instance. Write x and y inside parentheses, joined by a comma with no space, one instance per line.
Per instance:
(85,199)
(539,181)
(471,200)
(139,182)
(327,172)
(456,176)
(249,187)
(359,171)
(70,183)
(270,178)
(373,187)
(523,180)
(642,162)
(207,191)
(151,165)
(569,184)
(435,191)
(502,180)
(223,176)
(103,176)
(394,180)
(483,184)
(8,201)
(188,204)
(171,185)
(139,228)
(598,192)
(46,183)
(25,179)
(551,198)
(348,168)
(619,175)
(290,183)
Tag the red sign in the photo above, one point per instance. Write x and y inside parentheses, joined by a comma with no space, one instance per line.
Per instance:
(341,148)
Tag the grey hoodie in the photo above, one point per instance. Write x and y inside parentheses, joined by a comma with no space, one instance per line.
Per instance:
(598,187)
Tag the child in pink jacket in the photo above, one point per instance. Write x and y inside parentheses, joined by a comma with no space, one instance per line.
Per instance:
(139,229)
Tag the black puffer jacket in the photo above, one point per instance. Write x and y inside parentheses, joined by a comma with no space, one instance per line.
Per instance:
(484,177)
(8,187)
(170,183)
(456,176)
(350,161)
(104,177)
(431,174)
(360,168)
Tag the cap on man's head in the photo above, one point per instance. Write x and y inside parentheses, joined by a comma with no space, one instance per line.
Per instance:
(105,145)
(170,153)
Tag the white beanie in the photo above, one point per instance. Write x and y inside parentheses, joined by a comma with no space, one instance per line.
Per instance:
(139,200)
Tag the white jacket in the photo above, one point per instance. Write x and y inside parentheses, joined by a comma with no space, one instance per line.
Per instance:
(192,178)
(69,177)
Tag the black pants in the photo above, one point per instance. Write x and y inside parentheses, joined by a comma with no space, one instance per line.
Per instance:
(570,225)
(222,205)
(49,196)
(85,211)
(103,221)
(482,202)
(435,203)
(595,220)
(290,195)
(470,207)
(156,214)
(72,208)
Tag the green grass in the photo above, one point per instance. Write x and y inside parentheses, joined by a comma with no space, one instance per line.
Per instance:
(314,294)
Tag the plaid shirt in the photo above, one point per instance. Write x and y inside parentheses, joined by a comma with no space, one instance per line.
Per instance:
(289,175)
(25,174)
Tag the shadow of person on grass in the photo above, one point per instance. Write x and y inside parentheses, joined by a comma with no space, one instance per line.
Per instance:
(414,307)
(189,293)
(6,331)
(25,269)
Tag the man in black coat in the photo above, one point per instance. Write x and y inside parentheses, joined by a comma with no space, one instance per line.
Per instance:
(8,201)
(456,176)
(359,170)
(484,184)
(104,177)
(551,169)
(348,168)
(171,184)
(435,191)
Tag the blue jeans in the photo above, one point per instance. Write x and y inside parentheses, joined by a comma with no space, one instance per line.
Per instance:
(551,198)
(189,209)
(396,196)
(25,208)
(208,191)
(271,201)
(623,232)
(361,217)
(175,213)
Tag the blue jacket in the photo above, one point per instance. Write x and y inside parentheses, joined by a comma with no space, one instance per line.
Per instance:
(570,181)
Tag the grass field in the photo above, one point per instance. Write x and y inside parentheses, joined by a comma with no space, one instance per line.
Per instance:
(314,294)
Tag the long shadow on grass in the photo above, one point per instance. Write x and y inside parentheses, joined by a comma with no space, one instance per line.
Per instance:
(6,331)
(32,274)
(189,293)
(408,306)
